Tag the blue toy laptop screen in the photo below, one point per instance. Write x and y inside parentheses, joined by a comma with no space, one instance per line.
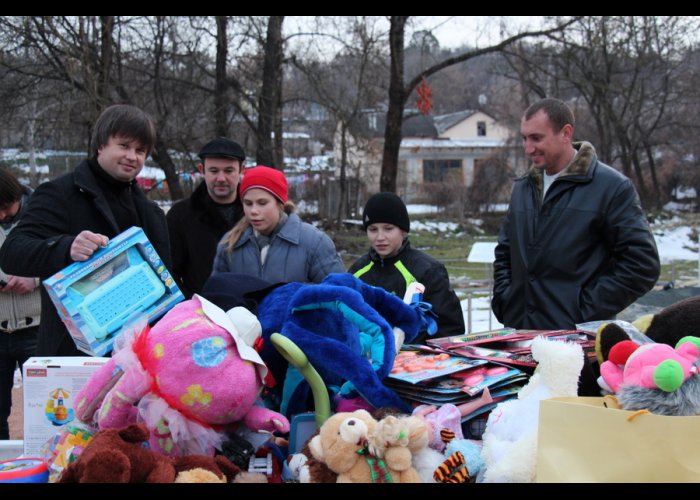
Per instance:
(115,291)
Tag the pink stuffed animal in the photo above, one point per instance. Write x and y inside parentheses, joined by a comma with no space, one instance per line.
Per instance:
(652,366)
(186,378)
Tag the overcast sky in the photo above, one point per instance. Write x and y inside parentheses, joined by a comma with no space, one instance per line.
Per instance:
(451,31)
(479,31)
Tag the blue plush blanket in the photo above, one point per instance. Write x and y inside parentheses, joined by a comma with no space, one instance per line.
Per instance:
(345,328)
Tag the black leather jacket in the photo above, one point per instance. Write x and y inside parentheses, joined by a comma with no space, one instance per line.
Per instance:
(584,253)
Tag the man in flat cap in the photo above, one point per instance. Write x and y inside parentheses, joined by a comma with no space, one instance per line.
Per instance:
(196,224)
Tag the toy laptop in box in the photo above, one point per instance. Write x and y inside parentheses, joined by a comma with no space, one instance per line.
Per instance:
(119,283)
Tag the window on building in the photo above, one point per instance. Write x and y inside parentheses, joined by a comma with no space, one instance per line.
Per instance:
(442,170)
(372,121)
(481,129)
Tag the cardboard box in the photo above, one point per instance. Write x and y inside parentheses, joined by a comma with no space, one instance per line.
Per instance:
(49,387)
(120,283)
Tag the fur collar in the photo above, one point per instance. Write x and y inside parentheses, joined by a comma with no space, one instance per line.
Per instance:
(581,164)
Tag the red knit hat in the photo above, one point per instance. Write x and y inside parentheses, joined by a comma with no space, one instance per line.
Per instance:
(269,179)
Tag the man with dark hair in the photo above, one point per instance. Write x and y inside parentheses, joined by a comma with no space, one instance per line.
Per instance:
(20,302)
(575,245)
(197,223)
(67,219)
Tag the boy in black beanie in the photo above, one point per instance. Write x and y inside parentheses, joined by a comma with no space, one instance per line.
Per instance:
(392,264)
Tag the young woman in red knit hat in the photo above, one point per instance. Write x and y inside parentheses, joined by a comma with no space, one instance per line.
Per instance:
(270,241)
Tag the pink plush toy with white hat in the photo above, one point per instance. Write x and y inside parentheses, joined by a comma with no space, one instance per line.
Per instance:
(187,378)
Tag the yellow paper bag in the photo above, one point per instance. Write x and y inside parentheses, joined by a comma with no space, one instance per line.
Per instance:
(582,440)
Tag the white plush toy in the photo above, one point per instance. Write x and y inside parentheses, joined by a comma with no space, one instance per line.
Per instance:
(510,439)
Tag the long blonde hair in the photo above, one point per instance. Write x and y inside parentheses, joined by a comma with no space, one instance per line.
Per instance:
(243,224)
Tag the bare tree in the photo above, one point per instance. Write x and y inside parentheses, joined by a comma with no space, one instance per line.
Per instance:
(164,64)
(623,73)
(221,88)
(270,118)
(85,53)
(399,92)
(249,83)
(60,50)
(345,85)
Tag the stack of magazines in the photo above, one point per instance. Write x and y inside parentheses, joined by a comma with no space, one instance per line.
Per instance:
(425,375)
(457,369)
(509,346)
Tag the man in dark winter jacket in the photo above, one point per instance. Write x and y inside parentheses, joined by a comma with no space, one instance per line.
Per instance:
(393,265)
(575,245)
(197,223)
(70,217)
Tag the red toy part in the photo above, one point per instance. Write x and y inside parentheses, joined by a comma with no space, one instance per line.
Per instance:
(24,470)
(620,352)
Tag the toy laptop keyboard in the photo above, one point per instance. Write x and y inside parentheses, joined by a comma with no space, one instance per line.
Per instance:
(136,288)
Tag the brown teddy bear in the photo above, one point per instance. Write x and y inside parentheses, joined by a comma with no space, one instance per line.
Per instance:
(343,444)
(338,442)
(395,439)
(116,456)
(309,470)
(672,323)
(205,469)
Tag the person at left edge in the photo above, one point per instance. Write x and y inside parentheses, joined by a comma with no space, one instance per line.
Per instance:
(20,302)
(70,217)
(197,223)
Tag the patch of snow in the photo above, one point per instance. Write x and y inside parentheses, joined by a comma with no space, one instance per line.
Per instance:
(676,244)
(415,208)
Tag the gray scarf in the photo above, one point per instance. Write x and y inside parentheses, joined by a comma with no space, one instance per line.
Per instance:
(264,241)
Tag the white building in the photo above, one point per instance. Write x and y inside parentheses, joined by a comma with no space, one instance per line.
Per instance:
(434,149)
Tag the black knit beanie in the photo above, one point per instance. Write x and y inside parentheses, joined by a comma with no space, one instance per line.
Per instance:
(387,208)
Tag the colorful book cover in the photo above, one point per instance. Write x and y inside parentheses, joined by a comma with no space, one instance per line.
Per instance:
(507,337)
(414,366)
(476,380)
(448,343)
(509,346)
(499,355)
(461,387)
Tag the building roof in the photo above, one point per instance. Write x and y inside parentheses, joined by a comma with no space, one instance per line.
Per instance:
(418,126)
(481,142)
(446,122)
(414,124)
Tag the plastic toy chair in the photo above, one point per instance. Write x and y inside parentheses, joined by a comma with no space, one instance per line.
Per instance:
(294,356)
